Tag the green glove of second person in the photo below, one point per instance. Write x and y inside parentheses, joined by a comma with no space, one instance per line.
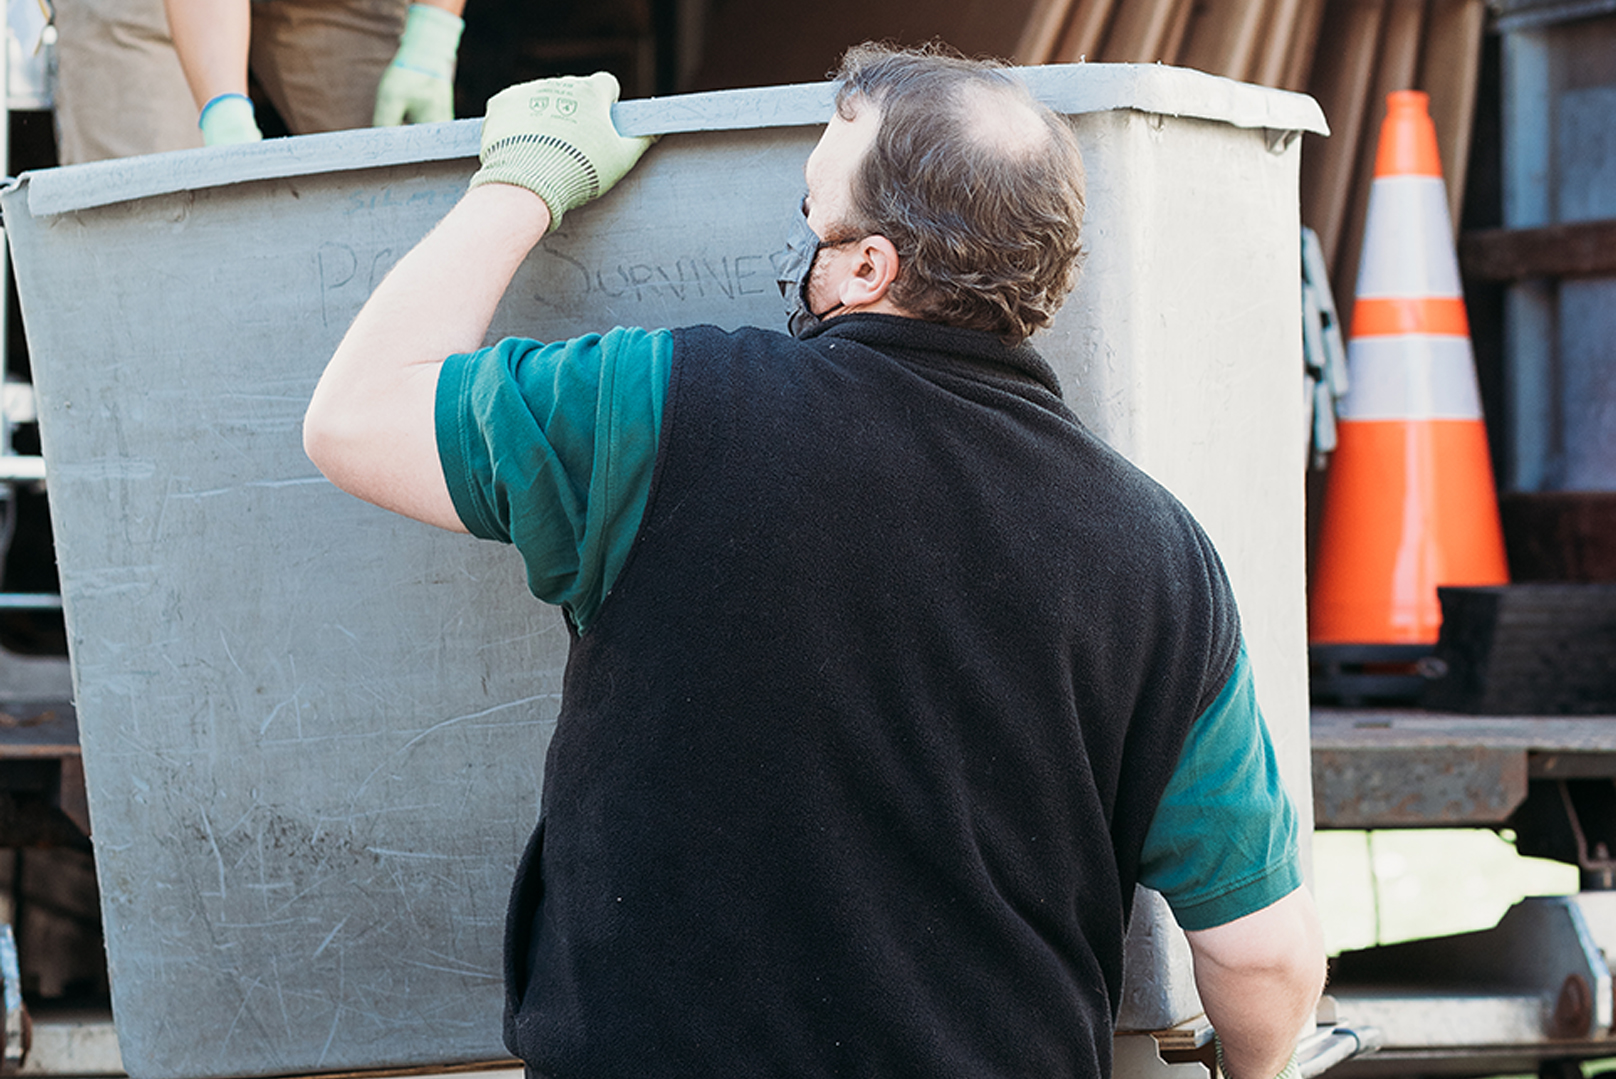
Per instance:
(418,86)
(555,137)
(227,120)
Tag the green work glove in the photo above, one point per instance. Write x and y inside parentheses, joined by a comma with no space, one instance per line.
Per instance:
(555,138)
(418,86)
(228,119)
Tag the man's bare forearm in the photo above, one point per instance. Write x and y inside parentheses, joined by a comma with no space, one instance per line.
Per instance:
(370,423)
(1259,978)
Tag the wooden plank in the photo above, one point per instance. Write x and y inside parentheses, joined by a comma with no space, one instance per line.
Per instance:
(1042,31)
(1138,30)
(1245,37)
(1449,68)
(1177,31)
(1572,249)
(1268,65)
(1340,82)
(1398,64)
(1084,31)
(1303,45)
(1187,1037)
(1222,36)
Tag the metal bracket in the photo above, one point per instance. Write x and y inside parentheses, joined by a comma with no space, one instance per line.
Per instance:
(1536,982)
(1599,864)
(1332,1045)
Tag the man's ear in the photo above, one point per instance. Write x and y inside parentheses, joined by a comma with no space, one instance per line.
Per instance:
(875,268)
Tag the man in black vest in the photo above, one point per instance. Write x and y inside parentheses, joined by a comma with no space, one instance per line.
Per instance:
(889,682)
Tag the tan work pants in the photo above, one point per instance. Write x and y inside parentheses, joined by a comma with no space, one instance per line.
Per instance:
(120,90)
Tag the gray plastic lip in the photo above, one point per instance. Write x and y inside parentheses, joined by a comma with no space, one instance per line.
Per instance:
(1067,88)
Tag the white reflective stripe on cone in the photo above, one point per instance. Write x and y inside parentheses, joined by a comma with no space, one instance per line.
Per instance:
(1408,241)
(1411,377)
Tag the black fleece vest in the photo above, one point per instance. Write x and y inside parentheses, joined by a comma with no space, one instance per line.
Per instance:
(854,768)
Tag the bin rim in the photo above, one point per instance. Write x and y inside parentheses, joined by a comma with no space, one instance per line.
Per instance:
(1071,89)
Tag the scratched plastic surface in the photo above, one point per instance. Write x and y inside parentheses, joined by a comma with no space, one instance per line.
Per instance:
(314,732)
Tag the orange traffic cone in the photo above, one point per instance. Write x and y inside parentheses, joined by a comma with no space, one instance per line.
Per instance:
(1410,502)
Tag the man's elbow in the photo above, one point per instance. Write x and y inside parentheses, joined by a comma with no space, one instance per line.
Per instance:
(322,440)
(334,441)
(384,454)
(1282,944)
(1260,977)
(1300,963)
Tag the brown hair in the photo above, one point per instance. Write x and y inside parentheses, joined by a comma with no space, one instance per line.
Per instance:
(986,221)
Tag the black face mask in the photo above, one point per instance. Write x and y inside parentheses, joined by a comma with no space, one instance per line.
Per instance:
(796,269)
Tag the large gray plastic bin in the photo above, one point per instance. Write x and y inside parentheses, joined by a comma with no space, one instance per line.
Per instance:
(314,732)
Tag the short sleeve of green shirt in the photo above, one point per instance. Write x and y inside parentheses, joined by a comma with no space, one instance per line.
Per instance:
(551,447)
(1223,843)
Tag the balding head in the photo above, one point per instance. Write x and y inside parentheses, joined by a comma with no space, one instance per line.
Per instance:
(1002,120)
(978,185)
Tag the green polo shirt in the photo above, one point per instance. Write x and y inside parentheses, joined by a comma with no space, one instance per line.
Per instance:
(552,447)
